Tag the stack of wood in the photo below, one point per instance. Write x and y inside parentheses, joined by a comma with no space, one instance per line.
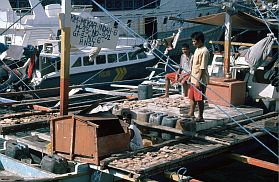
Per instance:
(142,161)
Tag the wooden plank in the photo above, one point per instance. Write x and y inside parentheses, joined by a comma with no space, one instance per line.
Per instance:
(124,86)
(108,92)
(49,99)
(272,125)
(165,129)
(106,161)
(33,142)
(6,101)
(255,162)
(238,43)
(266,117)
(4,130)
(23,114)
(43,136)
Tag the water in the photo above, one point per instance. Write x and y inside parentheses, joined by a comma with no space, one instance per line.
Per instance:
(238,172)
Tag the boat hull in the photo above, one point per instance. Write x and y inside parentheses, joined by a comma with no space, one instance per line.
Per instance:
(104,77)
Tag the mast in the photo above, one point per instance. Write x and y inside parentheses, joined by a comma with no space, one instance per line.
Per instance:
(227,46)
(65,25)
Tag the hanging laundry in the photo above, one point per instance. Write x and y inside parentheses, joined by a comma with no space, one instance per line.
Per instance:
(257,54)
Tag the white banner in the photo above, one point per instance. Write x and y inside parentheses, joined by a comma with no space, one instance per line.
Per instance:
(86,32)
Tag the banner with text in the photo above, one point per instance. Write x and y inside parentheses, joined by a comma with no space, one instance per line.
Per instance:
(86,32)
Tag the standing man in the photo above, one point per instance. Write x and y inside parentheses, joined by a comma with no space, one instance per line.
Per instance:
(182,73)
(199,75)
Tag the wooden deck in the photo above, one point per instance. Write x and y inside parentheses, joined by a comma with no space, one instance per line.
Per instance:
(217,135)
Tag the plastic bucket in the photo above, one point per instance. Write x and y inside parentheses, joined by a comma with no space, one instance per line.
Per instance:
(144,92)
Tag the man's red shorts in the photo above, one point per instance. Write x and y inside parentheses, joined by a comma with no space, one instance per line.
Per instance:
(195,93)
(182,78)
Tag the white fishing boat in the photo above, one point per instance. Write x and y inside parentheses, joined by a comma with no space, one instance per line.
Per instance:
(147,19)
(125,62)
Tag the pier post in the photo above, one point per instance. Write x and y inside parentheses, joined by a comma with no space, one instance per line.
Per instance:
(65,25)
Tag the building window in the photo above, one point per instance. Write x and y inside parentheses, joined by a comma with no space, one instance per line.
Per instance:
(118,4)
(138,4)
(128,4)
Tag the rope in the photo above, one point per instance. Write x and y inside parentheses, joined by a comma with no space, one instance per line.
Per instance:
(249,133)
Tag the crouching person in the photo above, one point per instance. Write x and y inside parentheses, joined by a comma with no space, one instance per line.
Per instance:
(135,136)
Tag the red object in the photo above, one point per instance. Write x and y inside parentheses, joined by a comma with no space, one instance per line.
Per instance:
(172,77)
(229,92)
(88,139)
(195,93)
(31,66)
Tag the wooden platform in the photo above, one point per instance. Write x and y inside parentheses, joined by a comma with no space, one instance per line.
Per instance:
(196,148)
(169,155)
(176,105)
(215,117)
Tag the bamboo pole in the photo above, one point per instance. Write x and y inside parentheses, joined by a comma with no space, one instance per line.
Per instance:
(239,44)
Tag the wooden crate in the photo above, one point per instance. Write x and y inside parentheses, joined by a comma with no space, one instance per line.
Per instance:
(233,92)
(88,139)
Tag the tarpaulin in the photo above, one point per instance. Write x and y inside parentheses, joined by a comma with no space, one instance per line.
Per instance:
(240,20)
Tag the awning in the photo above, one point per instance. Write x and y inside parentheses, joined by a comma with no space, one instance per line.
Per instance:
(240,20)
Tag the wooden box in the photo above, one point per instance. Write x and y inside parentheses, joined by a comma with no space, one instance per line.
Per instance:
(88,139)
(232,91)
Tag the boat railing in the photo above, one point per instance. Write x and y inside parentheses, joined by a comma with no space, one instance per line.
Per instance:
(81,7)
(50,46)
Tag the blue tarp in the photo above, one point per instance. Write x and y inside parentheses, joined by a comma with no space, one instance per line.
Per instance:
(3,48)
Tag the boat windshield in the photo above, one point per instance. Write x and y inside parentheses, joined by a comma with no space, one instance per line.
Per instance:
(118,5)
(49,64)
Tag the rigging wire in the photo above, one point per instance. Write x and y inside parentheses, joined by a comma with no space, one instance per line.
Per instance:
(230,104)
(131,12)
(249,133)
(10,70)
(265,21)
(268,8)
(20,18)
